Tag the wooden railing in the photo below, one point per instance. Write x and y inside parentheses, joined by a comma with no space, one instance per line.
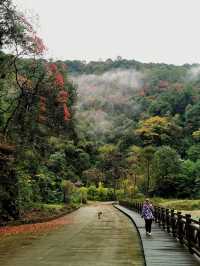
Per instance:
(182,227)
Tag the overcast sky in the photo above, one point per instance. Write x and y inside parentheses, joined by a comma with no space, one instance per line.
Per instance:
(146,30)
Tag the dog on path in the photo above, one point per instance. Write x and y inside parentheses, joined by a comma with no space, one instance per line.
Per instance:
(100,214)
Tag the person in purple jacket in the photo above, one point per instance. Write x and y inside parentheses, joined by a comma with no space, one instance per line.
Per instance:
(147,214)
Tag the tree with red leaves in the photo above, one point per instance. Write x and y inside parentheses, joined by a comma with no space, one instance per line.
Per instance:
(35,104)
(66,112)
(53,67)
(59,80)
(18,35)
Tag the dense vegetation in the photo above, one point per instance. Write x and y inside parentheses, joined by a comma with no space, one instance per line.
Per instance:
(36,118)
(146,115)
(71,130)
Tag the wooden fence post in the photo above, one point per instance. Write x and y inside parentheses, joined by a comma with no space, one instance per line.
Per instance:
(168,220)
(173,223)
(180,232)
(156,214)
(163,217)
(159,217)
(188,232)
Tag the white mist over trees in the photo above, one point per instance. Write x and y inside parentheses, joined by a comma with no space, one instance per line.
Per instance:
(107,100)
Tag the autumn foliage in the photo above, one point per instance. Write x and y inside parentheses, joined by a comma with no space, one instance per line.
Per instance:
(36,228)
(59,80)
(62,95)
(32,43)
(57,87)
(53,68)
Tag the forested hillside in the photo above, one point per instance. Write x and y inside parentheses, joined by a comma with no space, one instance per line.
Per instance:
(106,129)
(147,114)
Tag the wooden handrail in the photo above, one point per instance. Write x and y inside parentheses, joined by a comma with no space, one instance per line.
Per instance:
(182,227)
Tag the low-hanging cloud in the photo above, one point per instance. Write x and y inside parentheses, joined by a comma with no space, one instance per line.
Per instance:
(101,98)
(193,73)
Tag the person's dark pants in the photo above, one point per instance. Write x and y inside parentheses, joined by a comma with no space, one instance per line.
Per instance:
(148,223)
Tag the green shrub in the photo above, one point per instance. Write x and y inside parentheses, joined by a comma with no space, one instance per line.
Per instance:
(110,194)
(68,188)
(102,192)
(92,193)
(83,194)
(25,192)
(75,197)
(120,194)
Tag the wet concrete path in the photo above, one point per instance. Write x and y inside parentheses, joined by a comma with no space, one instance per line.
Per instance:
(84,240)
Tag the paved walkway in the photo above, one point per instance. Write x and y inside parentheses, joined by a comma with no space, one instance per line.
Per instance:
(160,249)
(83,240)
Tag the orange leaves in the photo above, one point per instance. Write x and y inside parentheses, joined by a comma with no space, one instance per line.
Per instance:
(59,80)
(66,113)
(56,79)
(24,82)
(53,68)
(62,97)
(34,228)
(42,104)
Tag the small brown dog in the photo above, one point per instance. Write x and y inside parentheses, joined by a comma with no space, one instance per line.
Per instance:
(100,214)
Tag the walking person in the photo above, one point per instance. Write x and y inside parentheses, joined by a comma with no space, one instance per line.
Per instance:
(147,214)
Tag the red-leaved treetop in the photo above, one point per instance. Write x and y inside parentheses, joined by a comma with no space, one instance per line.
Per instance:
(62,99)
(53,68)
(56,79)
(59,80)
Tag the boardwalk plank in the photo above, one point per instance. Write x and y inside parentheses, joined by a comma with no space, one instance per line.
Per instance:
(160,249)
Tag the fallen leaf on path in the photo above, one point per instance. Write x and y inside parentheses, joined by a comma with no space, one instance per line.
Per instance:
(38,227)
